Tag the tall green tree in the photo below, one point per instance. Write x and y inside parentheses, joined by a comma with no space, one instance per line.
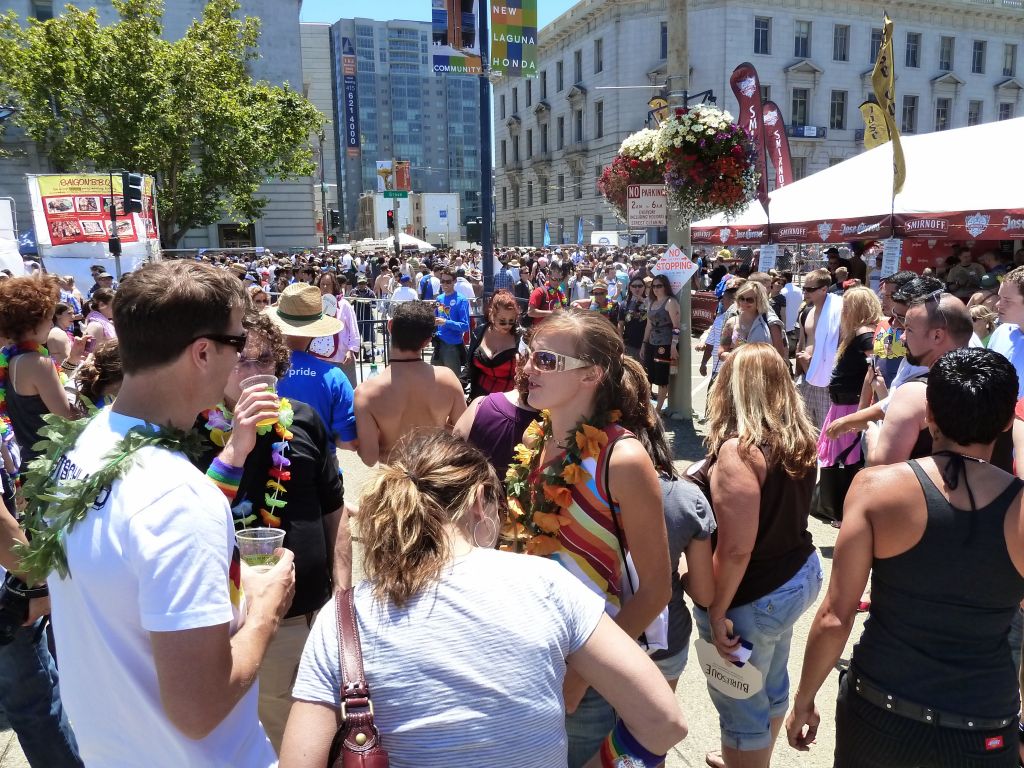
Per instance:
(187,111)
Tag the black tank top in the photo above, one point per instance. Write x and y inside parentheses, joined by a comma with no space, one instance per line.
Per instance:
(938,632)
(26,413)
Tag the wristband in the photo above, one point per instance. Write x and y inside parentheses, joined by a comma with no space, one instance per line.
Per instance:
(675,331)
(621,750)
(226,477)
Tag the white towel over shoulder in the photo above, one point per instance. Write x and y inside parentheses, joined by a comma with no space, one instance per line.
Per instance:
(826,341)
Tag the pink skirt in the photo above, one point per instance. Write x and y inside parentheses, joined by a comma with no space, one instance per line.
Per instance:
(830,450)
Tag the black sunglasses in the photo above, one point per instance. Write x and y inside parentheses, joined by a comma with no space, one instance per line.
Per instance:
(235,342)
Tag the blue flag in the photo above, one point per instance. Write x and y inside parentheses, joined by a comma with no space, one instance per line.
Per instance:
(547,235)
(579,232)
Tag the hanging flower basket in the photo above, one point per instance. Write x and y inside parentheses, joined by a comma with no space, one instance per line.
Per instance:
(709,163)
(635,164)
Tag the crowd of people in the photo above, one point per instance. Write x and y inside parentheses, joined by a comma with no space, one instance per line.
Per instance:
(531,551)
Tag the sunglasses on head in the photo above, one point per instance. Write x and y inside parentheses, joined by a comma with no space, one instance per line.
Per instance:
(548,361)
(235,342)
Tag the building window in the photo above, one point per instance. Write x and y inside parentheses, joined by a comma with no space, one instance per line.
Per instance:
(798,113)
(577,186)
(544,139)
(559,76)
(978,57)
(577,66)
(876,44)
(837,111)
(529,194)
(664,40)
(544,192)
(515,197)
(42,11)
(577,132)
(802,40)
(504,234)
(841,42)
(561,230)
(529,233)
(515,149)
(504,152)
(974,112)
(560,132)
(515,101)
(762,35)
(799,167)
(599,120)
(598,222)
(501,103)
(504,198)
(946,48)
(1009,60)
(598,56)
(1006,110)
(909,123)
(529,92)
(561,187)
(529,143)
(597,173)
(543,84)
(766,93)
(943,107)
(913,54)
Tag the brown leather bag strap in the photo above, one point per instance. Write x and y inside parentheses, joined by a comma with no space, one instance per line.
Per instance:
(357,741)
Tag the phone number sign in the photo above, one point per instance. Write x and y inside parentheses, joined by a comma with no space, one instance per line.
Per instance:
(646,205)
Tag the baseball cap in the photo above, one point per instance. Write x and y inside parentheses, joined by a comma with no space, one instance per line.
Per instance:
(404,279)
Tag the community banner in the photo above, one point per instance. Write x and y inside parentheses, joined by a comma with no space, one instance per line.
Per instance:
(747,88)
(883,83)
(777,144)
(351,97)
(75,208)
(456,44)
(514,37)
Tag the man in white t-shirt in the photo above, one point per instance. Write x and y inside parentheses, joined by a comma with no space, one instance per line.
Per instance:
(404,291)
(463,287)
(159,642)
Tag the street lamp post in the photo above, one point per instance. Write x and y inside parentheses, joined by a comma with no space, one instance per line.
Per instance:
(680,394)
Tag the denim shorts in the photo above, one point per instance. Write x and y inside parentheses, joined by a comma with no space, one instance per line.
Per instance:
(767,623)
(672,666)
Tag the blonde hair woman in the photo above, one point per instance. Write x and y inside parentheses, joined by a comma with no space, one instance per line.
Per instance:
(984,321)
(449,626)
(761,465)
(861,312)
(750,323)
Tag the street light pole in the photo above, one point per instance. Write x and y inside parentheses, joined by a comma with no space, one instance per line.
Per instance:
(323,192)
(486,171)
(680,395)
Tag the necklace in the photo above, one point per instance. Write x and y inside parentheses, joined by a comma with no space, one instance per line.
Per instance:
(555,296)
(7,354)
(538,505)
(220,421)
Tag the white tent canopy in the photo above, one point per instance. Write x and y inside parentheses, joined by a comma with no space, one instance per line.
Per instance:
(961,184)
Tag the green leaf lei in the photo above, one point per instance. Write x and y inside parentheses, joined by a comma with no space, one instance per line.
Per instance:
(54,508)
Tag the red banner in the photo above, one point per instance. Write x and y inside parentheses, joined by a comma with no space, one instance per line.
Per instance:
(776,144)
(729,235)
(747,88)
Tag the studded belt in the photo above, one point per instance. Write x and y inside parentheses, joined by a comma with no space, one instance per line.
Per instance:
(882,699)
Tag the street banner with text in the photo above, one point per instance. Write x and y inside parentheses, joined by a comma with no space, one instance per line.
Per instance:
(403,175)
(455,37)
(777,144)
(514,37)
(646,205)
(747,88)
(351,97)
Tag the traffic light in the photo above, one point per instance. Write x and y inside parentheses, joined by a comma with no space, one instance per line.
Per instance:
(131,186)
(334,218)
(391,221)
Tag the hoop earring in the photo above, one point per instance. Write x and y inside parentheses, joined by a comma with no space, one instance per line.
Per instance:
(488,536)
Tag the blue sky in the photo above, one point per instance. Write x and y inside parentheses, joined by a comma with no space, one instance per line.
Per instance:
(329,11)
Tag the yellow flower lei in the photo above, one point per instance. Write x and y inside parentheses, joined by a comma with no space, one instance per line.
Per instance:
(538,510)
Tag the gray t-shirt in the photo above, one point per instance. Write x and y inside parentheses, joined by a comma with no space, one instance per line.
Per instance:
(469,672)
(687,516)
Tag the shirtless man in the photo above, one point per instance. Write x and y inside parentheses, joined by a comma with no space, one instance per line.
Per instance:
(815,374)
(409,393)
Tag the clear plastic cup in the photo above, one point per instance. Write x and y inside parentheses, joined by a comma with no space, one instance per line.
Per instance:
(256,547)
(270,383)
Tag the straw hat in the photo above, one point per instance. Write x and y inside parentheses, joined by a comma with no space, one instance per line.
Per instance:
(300,312)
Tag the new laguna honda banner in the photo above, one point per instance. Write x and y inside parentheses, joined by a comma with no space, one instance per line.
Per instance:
(776,144)
(514,37)
(747,88)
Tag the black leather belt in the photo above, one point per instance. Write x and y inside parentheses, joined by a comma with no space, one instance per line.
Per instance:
(872,694)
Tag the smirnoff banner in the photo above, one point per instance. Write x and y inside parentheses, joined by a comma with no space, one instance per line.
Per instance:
(963,225)
(747,89)
(514,37)
(776,144)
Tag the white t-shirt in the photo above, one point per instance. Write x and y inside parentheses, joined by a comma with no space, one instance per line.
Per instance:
(404,293)
(155,554)
(463,288)
(471,671)
(1008,341)
(794,298)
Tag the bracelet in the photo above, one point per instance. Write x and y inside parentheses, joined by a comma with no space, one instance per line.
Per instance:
(675,331)
(226,477)
(68,366)
(621,750)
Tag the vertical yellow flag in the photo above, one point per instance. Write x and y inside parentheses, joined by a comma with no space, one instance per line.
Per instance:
(883,82)
(875,131)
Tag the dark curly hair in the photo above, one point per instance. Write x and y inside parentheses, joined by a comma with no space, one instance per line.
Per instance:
(25,302)
(100,371)
(258,325)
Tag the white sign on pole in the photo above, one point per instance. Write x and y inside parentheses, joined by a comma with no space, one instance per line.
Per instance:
(892,250)
(646,205)
(676,266)
(768,258)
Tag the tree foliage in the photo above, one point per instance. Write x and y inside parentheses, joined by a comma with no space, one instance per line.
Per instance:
(187,111)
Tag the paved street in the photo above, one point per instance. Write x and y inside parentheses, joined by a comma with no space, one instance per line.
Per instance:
(692,691)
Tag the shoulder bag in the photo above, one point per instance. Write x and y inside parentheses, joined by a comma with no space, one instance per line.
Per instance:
(357,741)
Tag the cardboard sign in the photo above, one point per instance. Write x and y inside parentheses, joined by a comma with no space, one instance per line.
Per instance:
(646,205)
(676,266)
(892,249)
(724,676)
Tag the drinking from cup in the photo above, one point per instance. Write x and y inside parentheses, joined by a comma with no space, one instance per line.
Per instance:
(270,383)
(256,546)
